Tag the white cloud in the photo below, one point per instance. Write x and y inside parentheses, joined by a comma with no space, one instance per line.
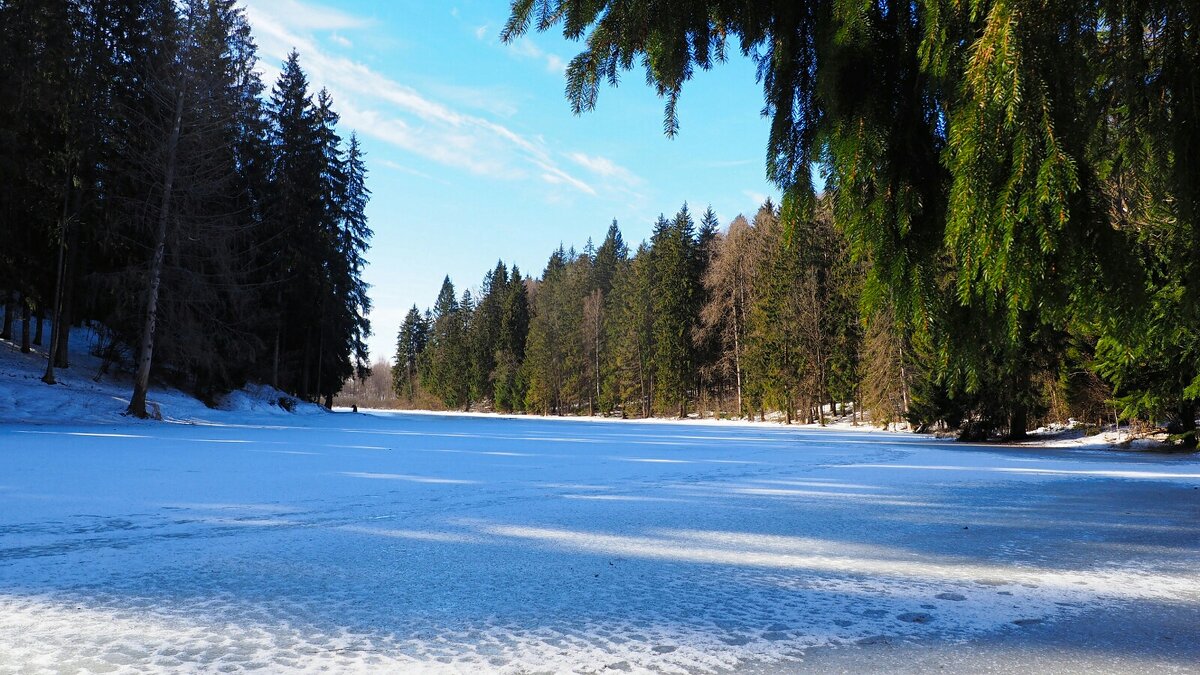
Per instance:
(396,166)
(341,41)
(602,166)
(555,64)
(481,32)
(395,113)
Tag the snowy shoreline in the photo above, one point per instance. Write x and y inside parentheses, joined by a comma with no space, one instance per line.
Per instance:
(81,399)
(1046,439)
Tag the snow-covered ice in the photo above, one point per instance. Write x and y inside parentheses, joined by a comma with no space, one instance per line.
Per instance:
(385,542)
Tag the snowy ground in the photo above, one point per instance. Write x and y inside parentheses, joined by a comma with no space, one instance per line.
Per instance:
(388,542)
(82,395)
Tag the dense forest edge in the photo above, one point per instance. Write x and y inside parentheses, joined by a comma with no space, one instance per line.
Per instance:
(152,189)
(1014,184)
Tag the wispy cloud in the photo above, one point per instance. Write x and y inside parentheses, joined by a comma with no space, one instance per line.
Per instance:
(525,48)
(604,167)
(396,113)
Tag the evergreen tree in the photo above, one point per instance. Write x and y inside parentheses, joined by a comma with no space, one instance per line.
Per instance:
(548,341)
(410,345)
(634,378)
(442,368)
(675,298)
(609,257)
(508,380)
(485,332)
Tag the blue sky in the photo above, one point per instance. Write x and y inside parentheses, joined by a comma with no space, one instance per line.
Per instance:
(474,154)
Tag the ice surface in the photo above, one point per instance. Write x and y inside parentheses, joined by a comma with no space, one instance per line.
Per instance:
(384,542)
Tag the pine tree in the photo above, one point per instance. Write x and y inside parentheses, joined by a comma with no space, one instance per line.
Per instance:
(609,257)
(485,332)
(508,380)
(547,345)
(442,366)
(293,230)
(410,345)
(675,297)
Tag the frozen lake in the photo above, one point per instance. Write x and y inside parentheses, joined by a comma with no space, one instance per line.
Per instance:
(459,544)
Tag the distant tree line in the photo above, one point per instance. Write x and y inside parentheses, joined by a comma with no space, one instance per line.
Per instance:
(147,184)
(760,317)
(763,316)
(1018,180)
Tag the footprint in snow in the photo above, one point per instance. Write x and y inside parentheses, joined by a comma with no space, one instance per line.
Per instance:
(954,597)
(915,617)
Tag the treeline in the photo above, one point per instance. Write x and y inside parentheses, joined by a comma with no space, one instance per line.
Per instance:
(1019,179)
(149,184)
(761,317)
(769,315)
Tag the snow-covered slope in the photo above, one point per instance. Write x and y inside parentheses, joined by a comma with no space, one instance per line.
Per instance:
(81,397)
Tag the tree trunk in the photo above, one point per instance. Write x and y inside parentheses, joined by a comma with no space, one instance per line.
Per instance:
(37,333)
(25,320)
(275,361)
(1018,422)
(321,364)
(141,382)
(62,358)
(1187,424)
(62,355)
(56,328)
(10,311)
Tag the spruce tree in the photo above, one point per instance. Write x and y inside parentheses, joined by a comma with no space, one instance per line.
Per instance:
(442,368)
(675,297)
(509,384)
(410,345)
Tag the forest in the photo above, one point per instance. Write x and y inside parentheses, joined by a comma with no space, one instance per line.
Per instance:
(1007,230)
(152,188)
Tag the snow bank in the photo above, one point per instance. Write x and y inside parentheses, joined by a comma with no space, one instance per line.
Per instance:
(83,396)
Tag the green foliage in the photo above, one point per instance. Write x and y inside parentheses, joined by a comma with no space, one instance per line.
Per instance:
(410,344)
(443,364)
(1013,176)
(675,293)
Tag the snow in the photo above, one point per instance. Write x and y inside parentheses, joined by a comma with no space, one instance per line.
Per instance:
(383,542)
(246,537)
(80,396)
